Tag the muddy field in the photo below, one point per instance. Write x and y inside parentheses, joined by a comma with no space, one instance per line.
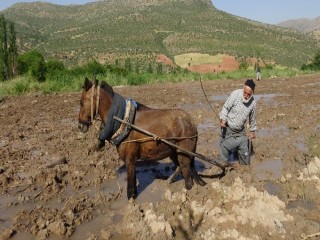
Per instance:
(52,188)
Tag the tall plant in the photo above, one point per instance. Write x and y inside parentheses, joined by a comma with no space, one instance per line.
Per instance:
(8,50)
(13,51)
(2,49)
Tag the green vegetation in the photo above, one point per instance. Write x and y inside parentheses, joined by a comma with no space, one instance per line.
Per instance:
(314,65)
(60,79)
(8,50)
(118,30)
(185,60)
(191,32)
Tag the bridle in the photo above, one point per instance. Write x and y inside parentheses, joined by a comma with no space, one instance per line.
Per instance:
(94,116)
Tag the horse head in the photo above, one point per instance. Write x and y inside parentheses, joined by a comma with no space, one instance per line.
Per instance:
(94,102)
(87,108)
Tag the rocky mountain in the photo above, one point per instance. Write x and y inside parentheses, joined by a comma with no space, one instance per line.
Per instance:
(304,25)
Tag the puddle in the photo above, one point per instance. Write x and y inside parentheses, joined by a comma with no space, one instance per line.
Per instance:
(22,235)
(268,169)
(258,97)
(301,147)
(10,207)
(147,173)
(273,188)
(208,126)
(276,131)
(219,97)
(94,226)
(309,205)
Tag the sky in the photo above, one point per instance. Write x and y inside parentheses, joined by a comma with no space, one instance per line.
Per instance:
(266,11)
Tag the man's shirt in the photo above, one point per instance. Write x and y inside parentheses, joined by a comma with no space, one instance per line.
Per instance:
(235,112)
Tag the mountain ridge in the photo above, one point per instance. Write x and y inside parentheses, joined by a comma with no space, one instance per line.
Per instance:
(120,29)
(304,25)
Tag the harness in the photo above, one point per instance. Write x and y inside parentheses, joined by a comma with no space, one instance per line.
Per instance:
(113,130)
(124,129)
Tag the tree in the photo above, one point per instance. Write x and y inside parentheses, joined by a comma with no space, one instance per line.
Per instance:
(13,51)
(32,62)
(316,60)
(150,69)
(159,69)
(315,64)
(54,65)
(94,68)
(3,49)
(128,65)
(8,50)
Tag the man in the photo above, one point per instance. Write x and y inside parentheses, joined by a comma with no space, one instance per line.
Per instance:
(239,106)
(258,73)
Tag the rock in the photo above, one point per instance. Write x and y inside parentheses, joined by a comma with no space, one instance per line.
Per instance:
(105,235)
(58,227)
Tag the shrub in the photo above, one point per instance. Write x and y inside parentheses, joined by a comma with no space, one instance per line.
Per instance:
(32,62)
(54,65)
(314,65)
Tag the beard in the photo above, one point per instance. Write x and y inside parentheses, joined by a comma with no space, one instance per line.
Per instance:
(246,100)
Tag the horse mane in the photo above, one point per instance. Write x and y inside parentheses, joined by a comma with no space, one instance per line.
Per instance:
(106,87)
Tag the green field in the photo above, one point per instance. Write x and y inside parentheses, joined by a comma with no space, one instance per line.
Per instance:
(184,60)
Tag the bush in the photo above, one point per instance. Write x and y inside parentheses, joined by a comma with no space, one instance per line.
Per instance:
(32,62)
(94,68)
(55,65)
(314,65)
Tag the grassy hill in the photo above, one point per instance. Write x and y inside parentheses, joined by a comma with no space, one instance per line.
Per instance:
(140,29)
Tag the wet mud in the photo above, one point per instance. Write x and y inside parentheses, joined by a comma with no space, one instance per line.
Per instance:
(52,187)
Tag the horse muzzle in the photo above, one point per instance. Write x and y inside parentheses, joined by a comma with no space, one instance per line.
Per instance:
(83,126)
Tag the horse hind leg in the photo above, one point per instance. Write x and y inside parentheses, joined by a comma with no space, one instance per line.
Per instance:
(184,163)
(172,178)
(177,171)
(195,174)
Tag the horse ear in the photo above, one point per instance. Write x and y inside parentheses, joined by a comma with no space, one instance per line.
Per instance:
(87,84)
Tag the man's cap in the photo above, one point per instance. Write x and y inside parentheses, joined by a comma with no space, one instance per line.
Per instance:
(250,83)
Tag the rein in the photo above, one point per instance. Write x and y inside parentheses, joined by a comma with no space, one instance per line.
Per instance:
(205,95)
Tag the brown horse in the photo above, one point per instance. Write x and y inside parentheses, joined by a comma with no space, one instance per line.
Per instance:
(172,124)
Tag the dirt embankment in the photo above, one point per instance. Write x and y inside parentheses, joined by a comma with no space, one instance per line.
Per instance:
(51,187)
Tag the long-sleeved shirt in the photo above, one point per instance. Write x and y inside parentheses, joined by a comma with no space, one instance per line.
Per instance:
(235,112)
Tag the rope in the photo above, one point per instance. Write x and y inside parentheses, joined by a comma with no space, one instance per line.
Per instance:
(204,93)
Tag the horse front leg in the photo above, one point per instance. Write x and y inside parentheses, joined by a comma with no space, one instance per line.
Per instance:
(131,178)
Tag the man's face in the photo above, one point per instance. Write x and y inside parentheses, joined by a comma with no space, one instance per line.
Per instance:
(247,94)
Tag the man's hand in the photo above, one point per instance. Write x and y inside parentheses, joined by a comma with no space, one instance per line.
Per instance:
(223,123)
(252,135)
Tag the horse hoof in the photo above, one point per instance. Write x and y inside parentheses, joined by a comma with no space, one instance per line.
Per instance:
(189,185)
(132,194)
